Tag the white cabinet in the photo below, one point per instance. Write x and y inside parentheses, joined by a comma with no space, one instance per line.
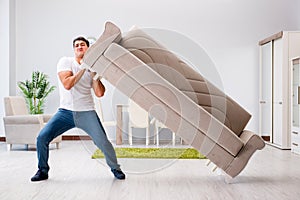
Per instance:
(295,102)
(276,52)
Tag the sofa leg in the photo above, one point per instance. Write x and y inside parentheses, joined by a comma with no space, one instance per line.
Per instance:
(173,138)
(214,168)
(9,146)
(228,179)
(207,162)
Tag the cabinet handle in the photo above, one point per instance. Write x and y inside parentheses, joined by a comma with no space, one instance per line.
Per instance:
(280,102)
(295,144)
(262,101)
(295,132)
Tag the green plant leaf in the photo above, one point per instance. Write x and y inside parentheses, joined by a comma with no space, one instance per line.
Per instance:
(35,91)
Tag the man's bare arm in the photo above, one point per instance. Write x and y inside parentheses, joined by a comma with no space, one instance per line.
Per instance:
(98,87)
(69,79)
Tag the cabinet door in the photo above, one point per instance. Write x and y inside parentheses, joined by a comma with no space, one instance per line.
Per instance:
(277,124)
(294,47)
(277,91)
(277,70)
(295,95)
(295,131)
(265,101)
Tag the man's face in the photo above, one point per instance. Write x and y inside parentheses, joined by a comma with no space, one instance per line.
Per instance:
(80,48)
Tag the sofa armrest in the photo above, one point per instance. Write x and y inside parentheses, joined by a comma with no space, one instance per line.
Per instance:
(247,135)
(23,119)
(252,142)
(111,34)
(46,117)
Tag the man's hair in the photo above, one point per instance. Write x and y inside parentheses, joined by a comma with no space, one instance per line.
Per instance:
(80,38)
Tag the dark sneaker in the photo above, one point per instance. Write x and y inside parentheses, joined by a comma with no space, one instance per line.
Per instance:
(39,176)
(118,174)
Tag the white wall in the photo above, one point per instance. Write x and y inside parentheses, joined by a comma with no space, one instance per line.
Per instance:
(298,21)
(5,30)
(229,31)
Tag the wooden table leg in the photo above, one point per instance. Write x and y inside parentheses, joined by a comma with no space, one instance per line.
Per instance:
(119,125)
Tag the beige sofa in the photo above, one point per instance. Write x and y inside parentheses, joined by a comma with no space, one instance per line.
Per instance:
(21,127)
(201,114)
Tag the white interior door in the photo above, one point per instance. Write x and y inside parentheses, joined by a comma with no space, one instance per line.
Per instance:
(265,100)
(277,91)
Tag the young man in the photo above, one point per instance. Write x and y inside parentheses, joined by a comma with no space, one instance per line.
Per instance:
(76,110)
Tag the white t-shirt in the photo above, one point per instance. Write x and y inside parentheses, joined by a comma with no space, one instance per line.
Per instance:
(79,97)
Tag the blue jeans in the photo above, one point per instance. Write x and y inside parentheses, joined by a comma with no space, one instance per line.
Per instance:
(65,120)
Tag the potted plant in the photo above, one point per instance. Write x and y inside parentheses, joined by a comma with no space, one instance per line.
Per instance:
(35,91)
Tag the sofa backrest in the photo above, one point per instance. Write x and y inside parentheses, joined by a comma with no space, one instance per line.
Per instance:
(186,79)
(15,105)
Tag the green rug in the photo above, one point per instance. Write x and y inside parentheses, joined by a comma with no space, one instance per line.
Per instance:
(164,153)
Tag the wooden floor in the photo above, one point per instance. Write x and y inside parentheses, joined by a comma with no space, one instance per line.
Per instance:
(270,174)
